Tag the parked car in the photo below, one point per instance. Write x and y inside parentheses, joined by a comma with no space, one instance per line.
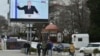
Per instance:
(61,47)
(90,48)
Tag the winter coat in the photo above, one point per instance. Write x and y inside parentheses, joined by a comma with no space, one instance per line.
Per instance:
(72,48)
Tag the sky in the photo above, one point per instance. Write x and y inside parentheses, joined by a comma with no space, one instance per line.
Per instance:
(4,8)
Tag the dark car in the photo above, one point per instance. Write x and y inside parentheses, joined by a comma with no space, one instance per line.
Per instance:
(60,48)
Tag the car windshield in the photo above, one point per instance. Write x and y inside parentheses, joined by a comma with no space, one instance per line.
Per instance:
(93,45)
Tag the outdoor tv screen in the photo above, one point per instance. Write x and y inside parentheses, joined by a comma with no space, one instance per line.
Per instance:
(29,9)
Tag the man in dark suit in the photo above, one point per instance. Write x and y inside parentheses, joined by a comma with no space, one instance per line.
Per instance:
(28,9)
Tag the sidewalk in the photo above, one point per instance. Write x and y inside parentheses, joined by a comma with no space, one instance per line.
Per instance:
(19,53)
(13,53)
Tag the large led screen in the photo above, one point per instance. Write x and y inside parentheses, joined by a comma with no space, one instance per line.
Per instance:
(29,9)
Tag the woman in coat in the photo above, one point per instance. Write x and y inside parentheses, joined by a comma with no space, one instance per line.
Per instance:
(72,49)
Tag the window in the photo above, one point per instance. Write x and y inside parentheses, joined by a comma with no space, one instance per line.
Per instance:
(79,39)
(93,45)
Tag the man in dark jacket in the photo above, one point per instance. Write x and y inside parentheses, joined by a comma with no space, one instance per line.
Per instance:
(28,9)
(39,46)
(27,47)
(49,48)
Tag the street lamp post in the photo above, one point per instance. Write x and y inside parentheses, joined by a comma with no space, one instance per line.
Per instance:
(29,32)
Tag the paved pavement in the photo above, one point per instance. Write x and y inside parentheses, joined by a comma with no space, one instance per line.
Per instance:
(12,53)
(19,53)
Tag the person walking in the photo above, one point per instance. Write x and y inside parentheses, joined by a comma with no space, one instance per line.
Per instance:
(72,49)
(49,48)
(44,49)
(25,47)
(28,46)
(39,47)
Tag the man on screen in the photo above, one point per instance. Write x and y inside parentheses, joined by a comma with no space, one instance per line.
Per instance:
(28,9)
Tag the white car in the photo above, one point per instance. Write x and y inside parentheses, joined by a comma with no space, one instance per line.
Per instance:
(89,49)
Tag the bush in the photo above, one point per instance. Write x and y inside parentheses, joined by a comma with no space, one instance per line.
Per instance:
(33,50)
(66,50)
(96,51)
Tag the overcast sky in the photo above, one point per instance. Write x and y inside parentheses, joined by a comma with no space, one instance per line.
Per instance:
(4,8)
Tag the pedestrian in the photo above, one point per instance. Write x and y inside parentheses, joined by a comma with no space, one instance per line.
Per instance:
(72,49)
(44,49)
(39,47)
(27,47)
(49,48)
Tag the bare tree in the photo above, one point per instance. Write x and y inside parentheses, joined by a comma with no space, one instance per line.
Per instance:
(73,18)
(3,24)
(81,15)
